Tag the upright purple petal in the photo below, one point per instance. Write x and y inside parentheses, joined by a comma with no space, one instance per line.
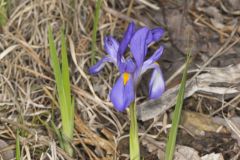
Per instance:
(122,93)
(138,45)
(154,35)
(156,84)
(126,39)
(124,44)
(111,46)
(100,64)
(156,55)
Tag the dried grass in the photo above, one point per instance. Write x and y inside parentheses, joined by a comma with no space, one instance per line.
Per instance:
(27,87)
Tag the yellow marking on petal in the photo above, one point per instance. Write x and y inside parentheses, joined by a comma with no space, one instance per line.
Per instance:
(126,77)
(156,63)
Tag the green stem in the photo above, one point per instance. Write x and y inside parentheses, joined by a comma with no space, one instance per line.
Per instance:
(95,27)
(133,139)
(68,148)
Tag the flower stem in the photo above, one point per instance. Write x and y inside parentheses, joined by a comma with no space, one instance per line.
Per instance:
(133,139)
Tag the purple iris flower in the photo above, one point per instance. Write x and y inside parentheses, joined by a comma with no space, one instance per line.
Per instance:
(132,67)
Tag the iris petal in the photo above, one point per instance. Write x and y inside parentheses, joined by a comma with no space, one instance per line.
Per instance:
(157,33)
(124,44)
(138,45)
(156,84)
(122,95)
(154,35)
(111,46)
(130,65)
(156,55)
(126,39)
(100,64)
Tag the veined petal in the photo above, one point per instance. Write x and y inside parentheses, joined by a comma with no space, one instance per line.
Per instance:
(138,45)
(122,93)
(156,55)
(130,65)
(100,64)
(154,35)
(111,46)
(156,84)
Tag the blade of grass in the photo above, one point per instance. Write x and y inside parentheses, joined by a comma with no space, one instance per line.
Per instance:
(18,149)
(177,114)
(95,26)
(63,88)
(67,130)
(133,139)
(3,13)
(57,75)
(65,77)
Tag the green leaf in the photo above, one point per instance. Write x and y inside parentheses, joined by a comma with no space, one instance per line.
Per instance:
(18,149)
(61,76)
(3,13)
(95,26)
(65,70)
(59,136)
(170,148)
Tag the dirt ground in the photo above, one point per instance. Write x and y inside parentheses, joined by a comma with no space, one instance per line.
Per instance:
(210,122)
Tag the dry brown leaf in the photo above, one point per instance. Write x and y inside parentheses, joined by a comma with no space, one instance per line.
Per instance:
(232,124)
(181,152)
(9,154)
(202,83)
(212,156)
(198,123)
(92,138)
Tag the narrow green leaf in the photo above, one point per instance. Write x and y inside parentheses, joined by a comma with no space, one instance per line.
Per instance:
(170,148)
(133,139)
(64,91)
(57,74)
(95,26)
(65,71)
(56,130)
(3,12)
(55,61)
(18,149)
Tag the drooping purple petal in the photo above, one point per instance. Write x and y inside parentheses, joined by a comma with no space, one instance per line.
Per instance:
(157,33)
(122,93)
(156,84)
(111,46)
(156,55)
(154,35)
(100,64)
(138,45)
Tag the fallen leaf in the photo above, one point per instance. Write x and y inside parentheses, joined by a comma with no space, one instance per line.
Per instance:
(5,155)
(181,152)
(212,156)
(198,123)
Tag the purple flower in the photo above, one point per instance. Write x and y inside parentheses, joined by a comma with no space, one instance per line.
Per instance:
(132,68)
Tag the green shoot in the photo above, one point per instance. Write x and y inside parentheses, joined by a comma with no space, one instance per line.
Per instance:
(95,26)
(170,148)
(63,89)
(18,149)
(133,139)
(3,13)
